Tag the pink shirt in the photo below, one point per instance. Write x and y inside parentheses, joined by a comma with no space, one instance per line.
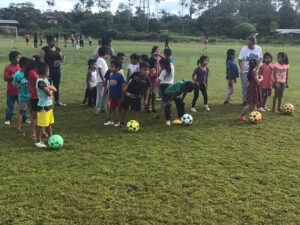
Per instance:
(281,71)
(153,77)
(267,73)
(27,36)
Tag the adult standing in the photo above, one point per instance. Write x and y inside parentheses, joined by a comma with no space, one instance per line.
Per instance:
(72,39)
(53,56)
(27,37)
(107,44)
(90,40)
(81,41)
(41,39)
(250,51)
(66,40)
(35,40)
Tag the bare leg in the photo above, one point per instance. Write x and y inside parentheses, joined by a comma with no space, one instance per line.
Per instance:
(153,102)
(123,115)
(33,123)
(280,98)
(275,100)
(19,127)
(112,115)
(39,133)
(246,109)
(136,116)
(50,130)
(264,100)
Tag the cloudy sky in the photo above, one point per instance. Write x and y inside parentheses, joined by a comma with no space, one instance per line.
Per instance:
(171,6)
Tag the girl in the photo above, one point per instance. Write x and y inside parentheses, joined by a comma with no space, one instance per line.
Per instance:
(200,81)
(166,79)
(154,80)
(253,89)
(281,74)
(232,73)
(266,71)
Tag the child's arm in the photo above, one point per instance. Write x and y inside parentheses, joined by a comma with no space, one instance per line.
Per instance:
(147,95)
(261,70)
(206,82)
(183,96)
(229,77)
(287,78)
(101,76)
(52,88)
(241,65)
(194,79)
(127,75)
(258,79)
(274,75)
(88,75)
(7,77)
(174,95)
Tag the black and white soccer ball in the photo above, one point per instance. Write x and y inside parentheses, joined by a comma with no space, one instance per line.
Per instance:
(187,119)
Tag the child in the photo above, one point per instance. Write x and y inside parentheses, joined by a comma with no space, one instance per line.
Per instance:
(32,76)
(21,82)
(281,75)
(90,40)
(232,73)
(101,99)
(201,82)
(137,82)
(116,85)
(205,42)
(154,81)
(134,63)
(173,92)
(91,82)
(45,108)
(168,54)
(253,90)
(12,93)
(121,56)
(266,70)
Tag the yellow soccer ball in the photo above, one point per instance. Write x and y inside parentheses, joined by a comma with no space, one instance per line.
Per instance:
(288,108)
(255,117)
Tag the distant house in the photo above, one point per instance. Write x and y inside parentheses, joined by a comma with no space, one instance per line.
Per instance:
(52,19)
(288,33)
(9,27)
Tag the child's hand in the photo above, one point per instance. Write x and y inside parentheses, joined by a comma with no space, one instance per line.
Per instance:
(197,83)
(287,86)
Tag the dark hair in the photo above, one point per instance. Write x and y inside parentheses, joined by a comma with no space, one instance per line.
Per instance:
(144,58)
(284,56)
(152,62)
(121,54)
(230,53)
(252,39)
(106,40)
(201,60)
(252,64)
(91,62)
(42,68)
(154,49)
(134,57)
(117,63)
(13,54)
(144,65)
(168,52)
(32,64)
(267,54)
(50,38)
(165,64)
(23,62)
(188,86)
(102,51)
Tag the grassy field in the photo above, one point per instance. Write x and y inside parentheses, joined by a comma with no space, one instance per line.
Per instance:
(217,171)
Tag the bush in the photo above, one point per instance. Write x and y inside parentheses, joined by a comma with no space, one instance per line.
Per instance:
(244,30)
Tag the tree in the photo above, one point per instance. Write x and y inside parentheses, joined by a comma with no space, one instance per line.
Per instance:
(157,3)
(86,4)
(244,30)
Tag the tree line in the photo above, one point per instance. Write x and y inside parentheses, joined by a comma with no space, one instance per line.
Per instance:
(228,18)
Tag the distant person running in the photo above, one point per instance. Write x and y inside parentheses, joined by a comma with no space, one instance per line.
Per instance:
(205,42)
(35,40)
(53,56)
(27,38)
(41,39)
(250,51)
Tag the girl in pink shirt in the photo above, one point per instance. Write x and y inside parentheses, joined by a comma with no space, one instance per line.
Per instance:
(154,80)
(266,71)
(281,73)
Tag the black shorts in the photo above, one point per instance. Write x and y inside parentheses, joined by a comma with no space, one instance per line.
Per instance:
(266,92)
(134,103)
(33,104)
(27,40)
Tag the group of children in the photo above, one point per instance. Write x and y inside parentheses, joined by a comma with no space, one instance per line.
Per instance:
(27,83)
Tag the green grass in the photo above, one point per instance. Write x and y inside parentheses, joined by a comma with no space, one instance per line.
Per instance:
(217,171)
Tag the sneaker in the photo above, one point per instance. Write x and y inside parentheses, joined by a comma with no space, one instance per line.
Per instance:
(261,109)
(118,124)
(267,109)
(84,103)
(109,123)
(243,119)
(206,108)
(193,110)
(168,123)
(40,144)
(226,102)
(60,104)
(7,122)
(27,121)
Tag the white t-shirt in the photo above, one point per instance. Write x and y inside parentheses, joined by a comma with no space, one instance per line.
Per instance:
(132,68)
(101,63)
(166,78)
(92,78)
(247,54)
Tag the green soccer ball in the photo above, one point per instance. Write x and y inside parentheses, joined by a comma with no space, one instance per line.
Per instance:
(133,126)
(56,142)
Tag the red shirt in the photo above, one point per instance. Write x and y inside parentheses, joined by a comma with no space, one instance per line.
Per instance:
(267,74)
(153,77)
(8,71)
(32,77)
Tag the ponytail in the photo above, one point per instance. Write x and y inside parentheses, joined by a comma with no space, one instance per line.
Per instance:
(252,64)
(165,63)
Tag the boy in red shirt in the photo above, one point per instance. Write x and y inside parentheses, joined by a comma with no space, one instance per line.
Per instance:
(12,93)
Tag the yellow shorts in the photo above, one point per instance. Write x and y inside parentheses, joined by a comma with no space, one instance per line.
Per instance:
(45,118)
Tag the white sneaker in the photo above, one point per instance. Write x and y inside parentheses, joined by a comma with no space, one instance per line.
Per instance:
(40,144)
(7,122)
(206,108)
(261,109)
(117,124)
(193,110)
(27,121)
(168,123)
(267,109)
(109,123)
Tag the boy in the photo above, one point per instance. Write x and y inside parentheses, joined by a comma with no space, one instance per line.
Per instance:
(121,56)
(132,67)
(91,82)
(21,82)
(12,93)
(116,85)
(102,98)
(173,92)
(168,54)
(137,83)
(45,109)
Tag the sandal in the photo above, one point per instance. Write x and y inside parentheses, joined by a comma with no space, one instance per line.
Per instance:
(19,130)
(33,137)
(45,135)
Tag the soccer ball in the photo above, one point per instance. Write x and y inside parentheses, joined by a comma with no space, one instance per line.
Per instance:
(133,126)
(56,142)
(255,117)
(187,119)
(288,108)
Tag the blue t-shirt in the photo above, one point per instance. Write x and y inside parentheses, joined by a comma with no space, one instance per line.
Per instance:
(231,65)
(172,61)
(20,79)
(115,85)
